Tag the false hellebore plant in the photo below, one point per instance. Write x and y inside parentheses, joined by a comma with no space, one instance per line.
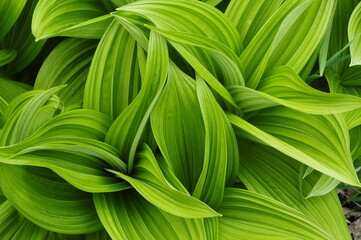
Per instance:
(178,119)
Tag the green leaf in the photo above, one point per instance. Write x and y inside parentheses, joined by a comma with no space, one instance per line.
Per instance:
(7,56)
(114,78)
(189,15)
(324,185)
(10,220)
(335,82)
(282,86)
(320,142)
(26,119)
(29,230)
(351,77)
(248,215)
(354,29)
(127,215)
(127,129)
(178,127)
(9,13)
(220,162)
(355,143)
(256,54)
(149,181)
(269,172)
(11,89)
(81,162)
(21,40)
(212,228)
(100,235)
(48,201)
(302,31)
(68,64)
(250,16)
(178,15)
(339,35)
(85,19)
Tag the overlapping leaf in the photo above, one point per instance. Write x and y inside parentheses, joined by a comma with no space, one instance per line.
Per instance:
(268,171)
(174,133)
(220,154)
(354,29)
(149,181)
(9,12)
(248,215)
(67,64)
(320,142)
(86,19)
(21,40)
(48,201)
(127,215)
(127,129)
(283,86)
(114,77)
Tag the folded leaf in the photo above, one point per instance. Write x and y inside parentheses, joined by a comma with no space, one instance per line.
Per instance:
(248,215)
(7,56)
(149,181)
(250,16)
(302,31)
(127,129)
(9,13)
(49,202)
(21,40)
(68,64)
(114,78)
(283,86)
(220,162)
(127,215)
(81,162)
(269,172)
(10,220)
(320,142)
(354,29)
(178,127)
(256,54)
(85,19)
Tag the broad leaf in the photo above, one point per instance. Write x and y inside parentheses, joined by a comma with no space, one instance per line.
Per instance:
(10,220)
(7,56)
(248,215)
(269,172)
(220,162)
(256,54)
(49,202)
(302,31)
(250,16)
(85,19)
(320,142)
(127,129)
(127,215)
(9,13)
(21,40)
(149,181)
(178,127)
(354,29)
(67,64)
(114,78)
(282,86)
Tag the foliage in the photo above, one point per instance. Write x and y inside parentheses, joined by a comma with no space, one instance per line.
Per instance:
(178,119)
